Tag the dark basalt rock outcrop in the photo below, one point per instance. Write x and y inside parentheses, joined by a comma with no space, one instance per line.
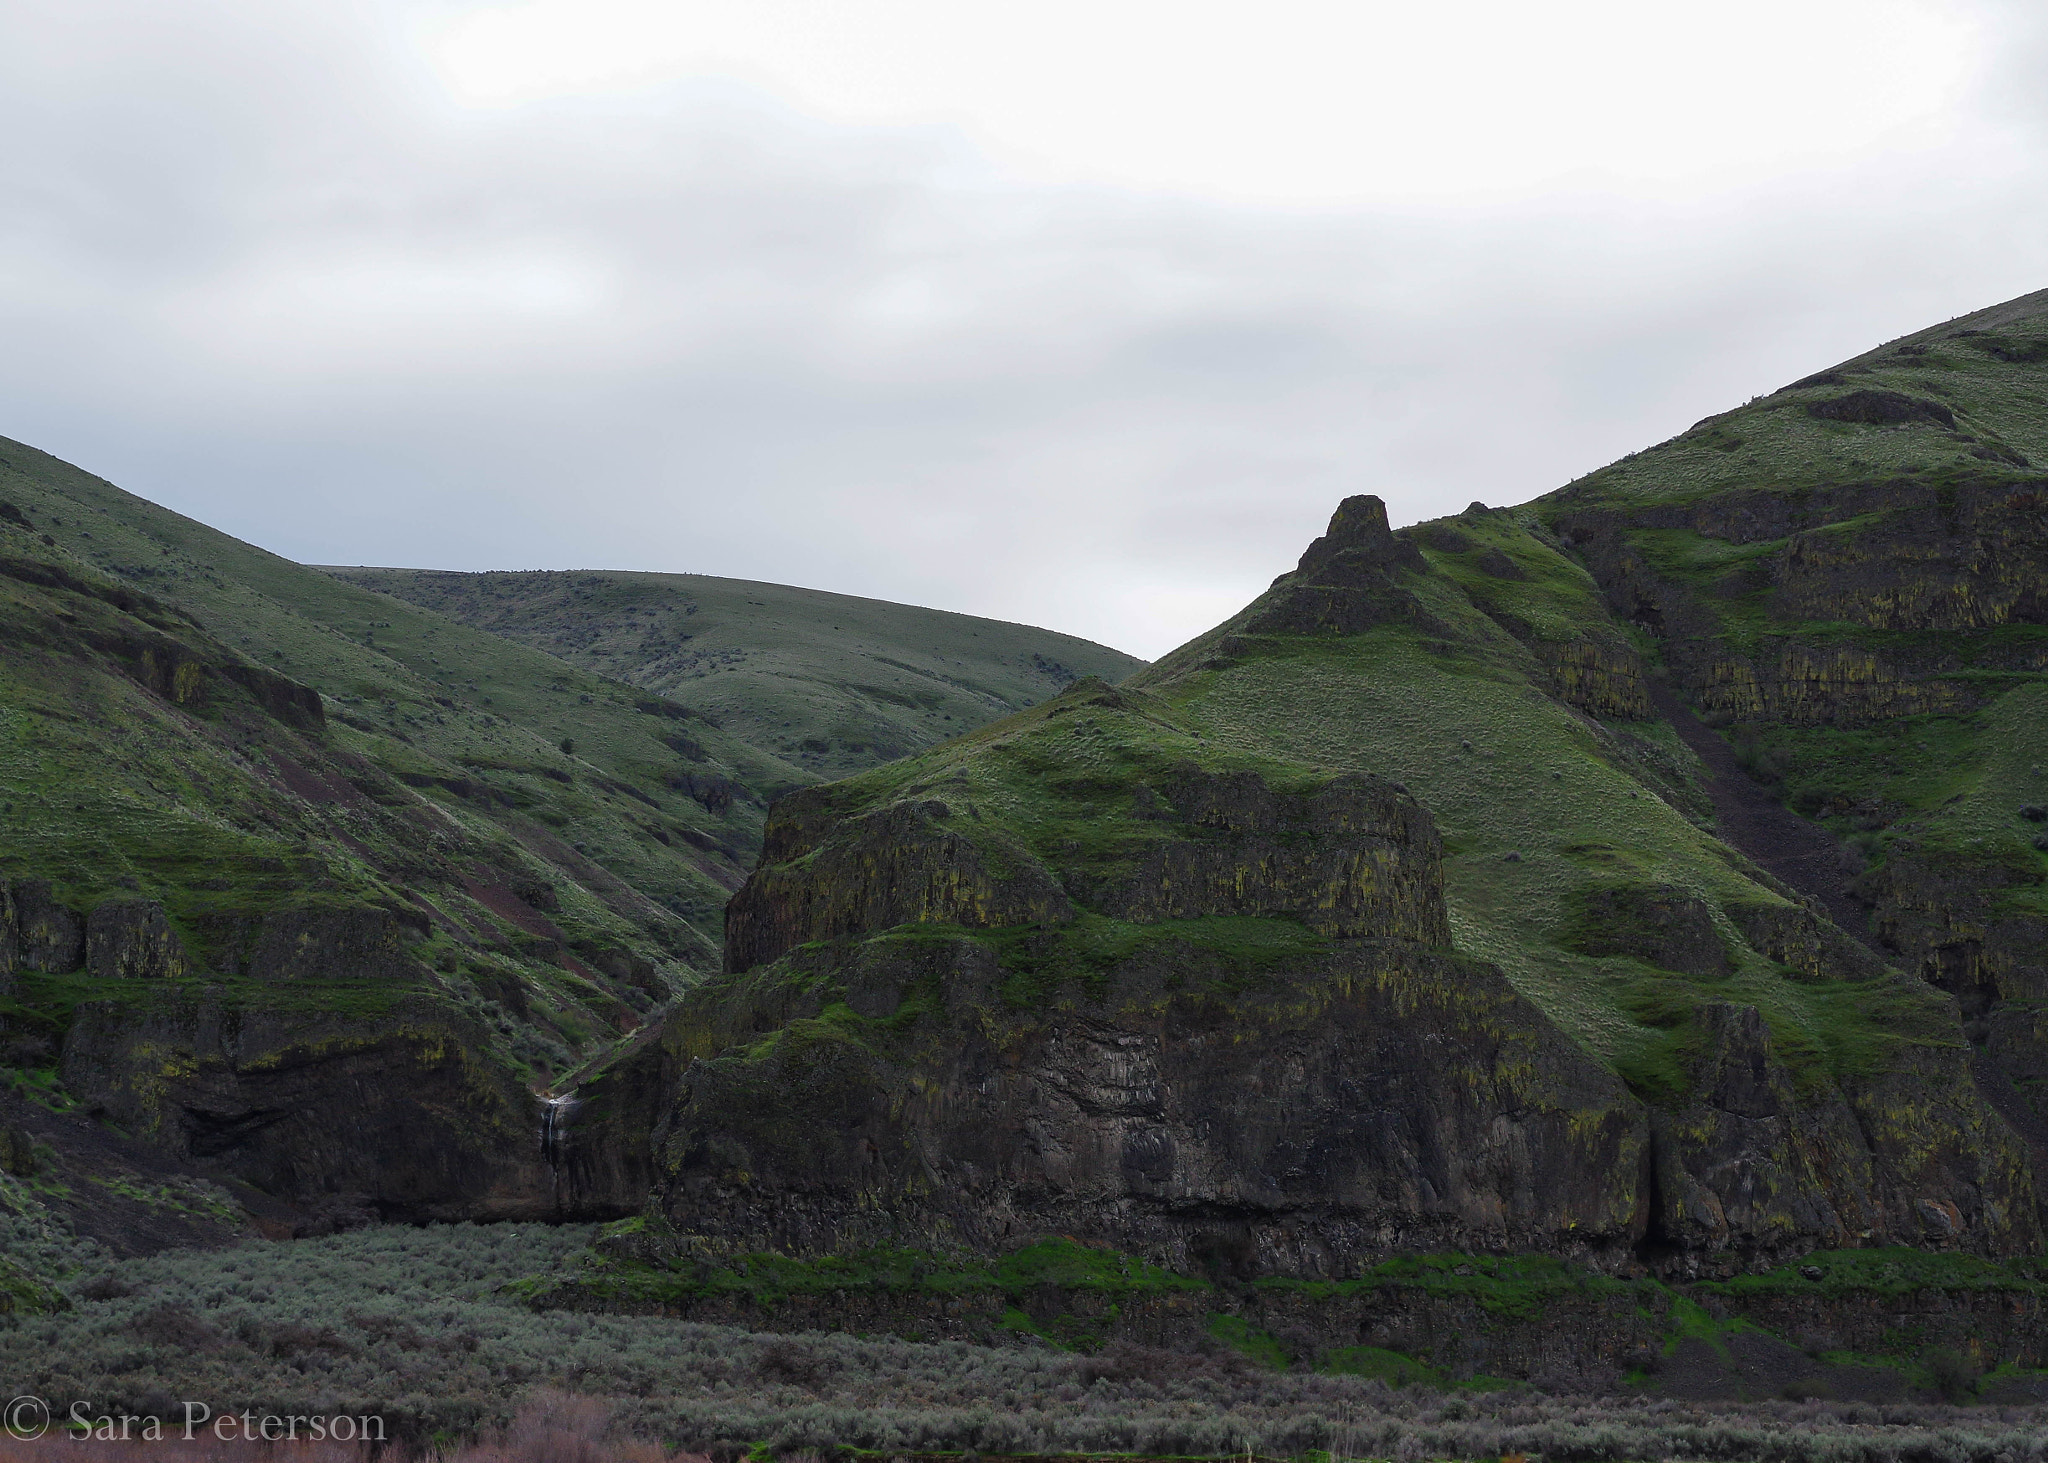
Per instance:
(1880,408)
(1750,1154)
(316,944)
(1355,857)
(1358,1090)
(326,1075)
(1376,1098)
(1934,589)
(1369,1096)
(1346,581)
(36,931)
(348,1119)
(1666,927)
(1796,937)
(891,867)
(132,938)
(1965,556)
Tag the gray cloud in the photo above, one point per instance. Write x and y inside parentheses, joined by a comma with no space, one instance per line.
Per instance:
(255,266)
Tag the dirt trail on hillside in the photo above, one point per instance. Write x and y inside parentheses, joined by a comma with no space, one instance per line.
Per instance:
(1795,850)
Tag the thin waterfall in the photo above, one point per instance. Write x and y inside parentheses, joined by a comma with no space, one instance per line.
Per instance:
(555,1114)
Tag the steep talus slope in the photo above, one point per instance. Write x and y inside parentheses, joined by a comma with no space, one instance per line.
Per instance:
(826,684)
(1849,578)
(1384,917)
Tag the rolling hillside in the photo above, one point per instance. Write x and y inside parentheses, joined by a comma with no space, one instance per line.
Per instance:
(1654,874)
(827,684)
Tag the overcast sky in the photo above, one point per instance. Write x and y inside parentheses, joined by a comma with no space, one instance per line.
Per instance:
(1084,314)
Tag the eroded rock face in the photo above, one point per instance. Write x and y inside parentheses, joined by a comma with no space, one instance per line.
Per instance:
(1885,556)
(1598,678)
(1933,587)
(1376,1098)
(1205,1098)
(48,935)
(1355,857)
(1207,1011)
(10,940)
(1796,936)
(820,880)
(312,944)
(384,1117)
(1751,1167)
(132,938)
(380,1103)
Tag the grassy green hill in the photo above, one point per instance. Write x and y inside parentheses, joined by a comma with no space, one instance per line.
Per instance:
(825,684)
(1855,595)
(1849,577)
(466,718)
(1738,750)
(1545,810)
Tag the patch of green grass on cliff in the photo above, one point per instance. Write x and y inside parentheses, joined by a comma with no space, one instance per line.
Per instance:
(1248,1341)
(1220,951)
(1891,1273)
(1511,1287)
(1742,605)
(837,1024)
(1688,1320)
(42,1085)
(2011,773)
(1399,1370)
(1068,781)
(47,1003)
(1073,1266)
(1856,777)
(1952,784)
(1555,598)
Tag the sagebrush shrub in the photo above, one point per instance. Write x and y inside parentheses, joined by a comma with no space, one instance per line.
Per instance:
(413,1325)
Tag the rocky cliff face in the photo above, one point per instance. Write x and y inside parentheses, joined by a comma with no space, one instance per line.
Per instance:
(1214,1094)
(1928,567)
(1869,617)
(323,1073)
(1172,967)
